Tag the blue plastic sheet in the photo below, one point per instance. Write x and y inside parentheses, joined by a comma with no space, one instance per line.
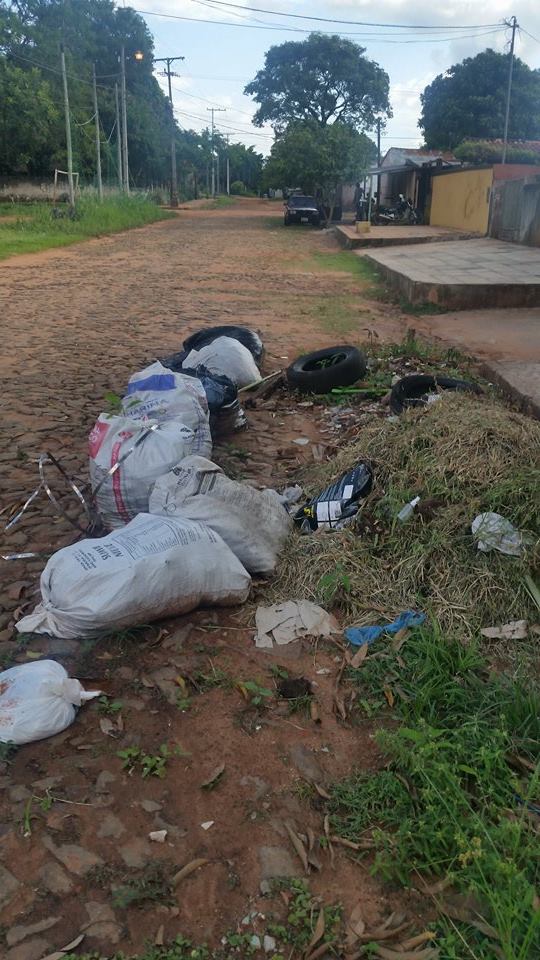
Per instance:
(361,635)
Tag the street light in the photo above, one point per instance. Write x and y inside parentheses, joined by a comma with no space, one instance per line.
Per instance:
(138,55)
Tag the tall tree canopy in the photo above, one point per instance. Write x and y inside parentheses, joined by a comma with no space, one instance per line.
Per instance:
(32,131)
(317,158)
(323,79)
(468,102)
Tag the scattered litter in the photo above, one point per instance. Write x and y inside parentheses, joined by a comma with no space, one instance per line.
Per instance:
(226,356)
(407,511)
(284,623)
(153,567)
(126,458)
(255,942)
(158,836)
(37,700)
(46,483)
(252,522)
(292,688)
(419,390)
(269,944)
(338,502)
(207,824)
(323,672)
(494,532)
(219,389)
(290,496)
(364,635)
(514,630)
(302,441)
(59,954)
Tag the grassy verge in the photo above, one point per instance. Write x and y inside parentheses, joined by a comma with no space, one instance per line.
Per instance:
(455,813)
(37,229)
(460,455)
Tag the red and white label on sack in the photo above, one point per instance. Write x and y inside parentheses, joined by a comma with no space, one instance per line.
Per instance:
(96,438)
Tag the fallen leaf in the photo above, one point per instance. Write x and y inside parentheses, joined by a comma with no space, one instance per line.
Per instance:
(146,682)
(326,825)
(119,723)
(16,589)
(33,654)
(107,726)
(416,941)
(58,954)
(432,889)
(314,711)
(321,791)
(400,638)
(383,933)
(359,656)
(343,842)
(298,846)
(320,951)
(214,778)
(159,937)
(188,869)
(431,953)
(389,696)
(355,925)
(317,933)
(311,839)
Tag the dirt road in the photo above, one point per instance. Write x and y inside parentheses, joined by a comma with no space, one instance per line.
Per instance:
(76,324)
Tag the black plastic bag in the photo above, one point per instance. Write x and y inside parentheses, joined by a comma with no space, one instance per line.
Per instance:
(338,502)
(220,390)
(244,335)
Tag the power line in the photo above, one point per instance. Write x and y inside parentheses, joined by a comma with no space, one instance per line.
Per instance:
(277,29)
(356,23)
(523,30)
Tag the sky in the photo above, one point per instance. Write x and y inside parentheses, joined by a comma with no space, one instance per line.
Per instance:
(220,58)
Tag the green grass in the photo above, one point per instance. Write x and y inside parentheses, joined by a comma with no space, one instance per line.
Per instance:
(37,230)
(452,802)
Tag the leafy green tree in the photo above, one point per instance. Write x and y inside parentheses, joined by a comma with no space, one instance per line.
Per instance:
(323,79)
(26,114)
(318,159)
(245,165)
(468,102)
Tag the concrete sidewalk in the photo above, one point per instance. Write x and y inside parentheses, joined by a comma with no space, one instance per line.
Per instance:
(392,236)
(463,274)
(508,341)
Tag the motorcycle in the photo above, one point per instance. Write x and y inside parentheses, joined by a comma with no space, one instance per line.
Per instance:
(403,212)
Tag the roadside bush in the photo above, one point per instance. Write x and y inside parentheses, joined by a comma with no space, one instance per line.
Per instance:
(479,151)
(238,188)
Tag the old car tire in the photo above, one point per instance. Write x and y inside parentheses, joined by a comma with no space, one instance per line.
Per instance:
(412,391)
(323,370)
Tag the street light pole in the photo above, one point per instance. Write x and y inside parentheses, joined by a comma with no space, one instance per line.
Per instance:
(214,110)
(68,129)
(168,73)
(124,121)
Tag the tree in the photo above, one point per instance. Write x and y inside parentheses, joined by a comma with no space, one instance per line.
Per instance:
(317,159)
(468,102)
(323,79)
(26,115)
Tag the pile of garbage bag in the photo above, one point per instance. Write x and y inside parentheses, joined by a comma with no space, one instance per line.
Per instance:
(180,532)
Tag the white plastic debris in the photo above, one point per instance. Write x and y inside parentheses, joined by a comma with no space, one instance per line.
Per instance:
(38,700)
(514,630)
(494,532)
(158,836)
(157,393)
(226,356)
(154,567)
(207,824)
(253,523)
(284,623)
(121,479)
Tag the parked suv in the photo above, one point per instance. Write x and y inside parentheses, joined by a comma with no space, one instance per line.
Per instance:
(299,208)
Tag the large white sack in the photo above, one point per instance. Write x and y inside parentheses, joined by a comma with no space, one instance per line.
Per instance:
(154,567)
(157,393)
(225,356)
(253,523)
(38,700)
(124,491)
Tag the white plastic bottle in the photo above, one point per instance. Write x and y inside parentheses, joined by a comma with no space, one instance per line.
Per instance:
(407,511)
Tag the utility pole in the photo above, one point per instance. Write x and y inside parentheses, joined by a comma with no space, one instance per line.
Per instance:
(168,73)
(513,24)
(228,168)
(378,163)
(218,184)
(124,121)
(68,129)
(118,139)
(98,141)
(214,110)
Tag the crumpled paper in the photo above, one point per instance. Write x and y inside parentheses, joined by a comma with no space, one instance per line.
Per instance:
(284,623)
(514,630)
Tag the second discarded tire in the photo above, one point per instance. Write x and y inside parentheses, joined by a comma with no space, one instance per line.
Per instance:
(415,390)
(323,370)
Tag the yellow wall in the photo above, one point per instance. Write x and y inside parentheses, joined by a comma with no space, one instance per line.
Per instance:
(461,200)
